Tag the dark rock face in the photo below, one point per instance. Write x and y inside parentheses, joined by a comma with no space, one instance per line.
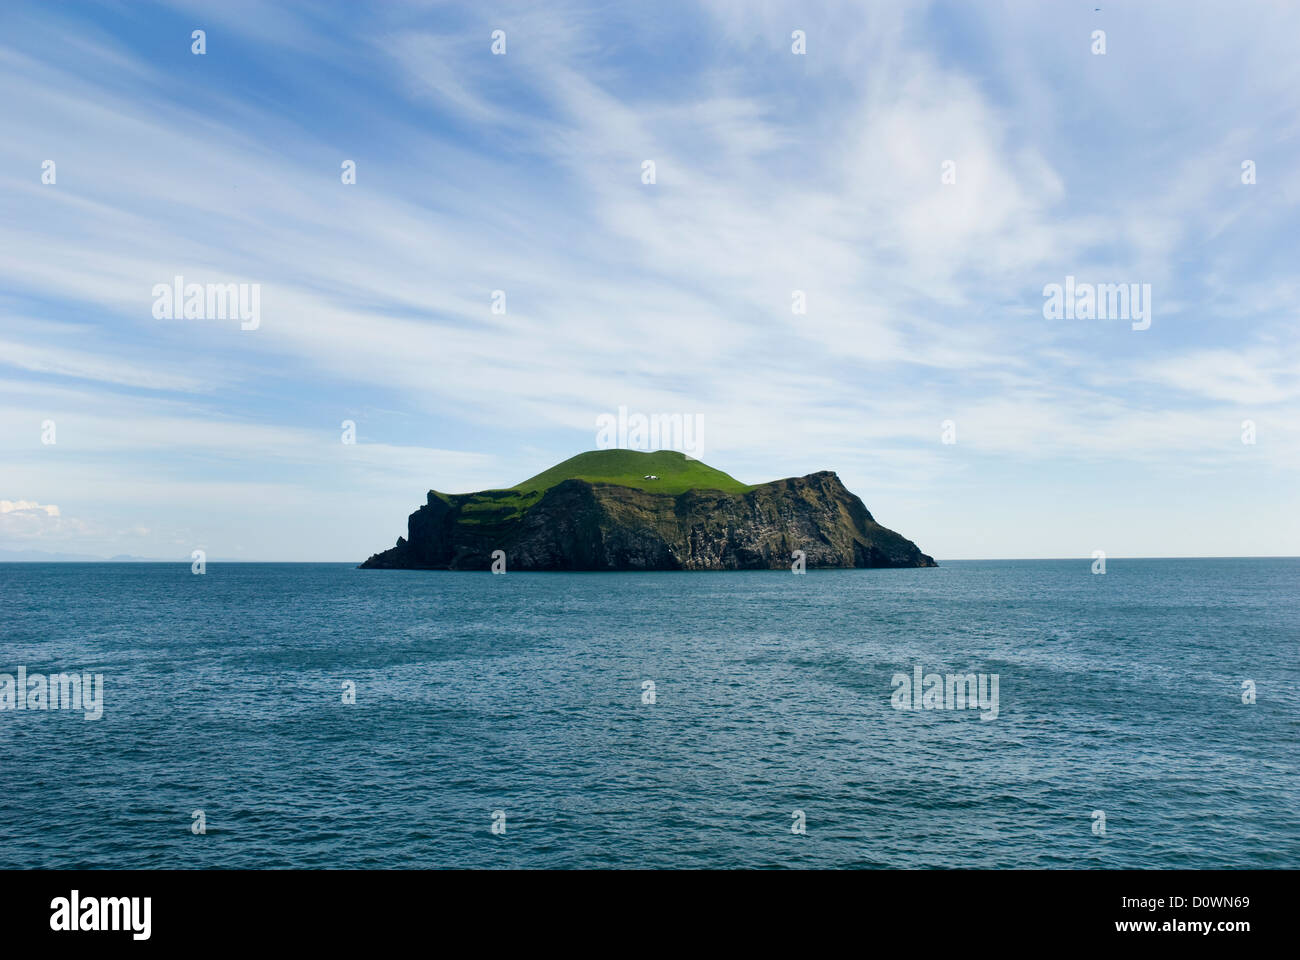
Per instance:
(578,525)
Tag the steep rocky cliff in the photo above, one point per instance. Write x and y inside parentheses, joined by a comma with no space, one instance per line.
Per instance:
(578,524)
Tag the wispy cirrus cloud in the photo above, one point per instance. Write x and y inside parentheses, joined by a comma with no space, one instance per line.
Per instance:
(775,173)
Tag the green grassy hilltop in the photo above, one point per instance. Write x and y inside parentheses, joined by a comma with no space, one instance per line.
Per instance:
(624,468)
(628,468)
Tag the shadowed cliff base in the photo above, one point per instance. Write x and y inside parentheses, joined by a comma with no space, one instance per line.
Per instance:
(626,510)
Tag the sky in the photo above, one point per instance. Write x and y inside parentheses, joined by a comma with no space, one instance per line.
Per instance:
(501,274)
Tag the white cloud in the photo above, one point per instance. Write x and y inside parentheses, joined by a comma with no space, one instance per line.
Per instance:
(19,506)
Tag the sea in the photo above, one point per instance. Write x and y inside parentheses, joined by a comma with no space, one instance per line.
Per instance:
(319,716)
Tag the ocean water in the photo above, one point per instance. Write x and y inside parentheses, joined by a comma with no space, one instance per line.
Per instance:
(523,693)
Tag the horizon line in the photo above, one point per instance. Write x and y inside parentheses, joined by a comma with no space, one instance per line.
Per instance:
(187,561)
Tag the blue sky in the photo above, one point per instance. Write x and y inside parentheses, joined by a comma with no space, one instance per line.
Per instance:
(775,172)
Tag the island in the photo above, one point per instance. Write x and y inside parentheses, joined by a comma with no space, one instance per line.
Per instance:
(631,510)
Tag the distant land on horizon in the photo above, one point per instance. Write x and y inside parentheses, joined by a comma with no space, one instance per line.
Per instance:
(44,556)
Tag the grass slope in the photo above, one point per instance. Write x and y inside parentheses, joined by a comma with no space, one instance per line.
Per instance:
(625,468)
(628,468)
